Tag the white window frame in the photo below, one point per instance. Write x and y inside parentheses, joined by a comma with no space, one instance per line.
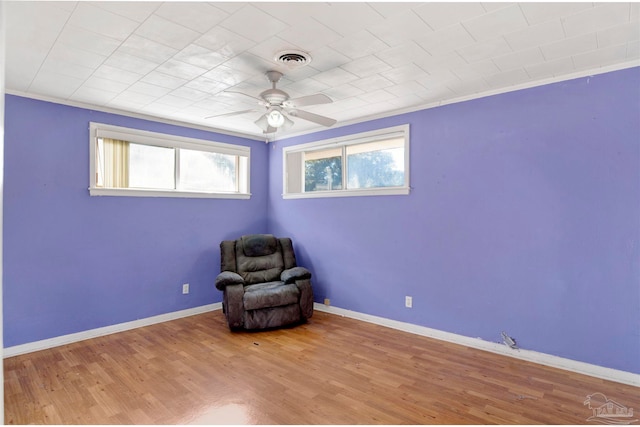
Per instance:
(99,130)
(343,142)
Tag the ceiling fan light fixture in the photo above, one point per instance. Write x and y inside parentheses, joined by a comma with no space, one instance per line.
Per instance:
(287,123)
(275,118)
(262,123)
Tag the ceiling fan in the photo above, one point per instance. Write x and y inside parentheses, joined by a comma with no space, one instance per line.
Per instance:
(279,106)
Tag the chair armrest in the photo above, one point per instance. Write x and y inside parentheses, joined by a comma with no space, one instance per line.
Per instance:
(295,273)
(227,278)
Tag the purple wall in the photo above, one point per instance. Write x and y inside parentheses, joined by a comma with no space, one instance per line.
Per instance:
(74,262)
(524,216)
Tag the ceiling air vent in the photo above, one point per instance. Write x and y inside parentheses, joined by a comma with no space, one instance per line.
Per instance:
(293,58)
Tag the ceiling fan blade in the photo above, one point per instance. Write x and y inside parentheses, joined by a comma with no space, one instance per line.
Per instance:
(255,98)
(245,94)
(303,101)
(235,113)
(312,117)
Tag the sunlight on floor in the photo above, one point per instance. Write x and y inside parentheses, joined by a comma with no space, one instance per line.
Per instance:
(232,413)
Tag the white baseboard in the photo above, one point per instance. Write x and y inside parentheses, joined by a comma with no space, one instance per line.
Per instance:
(107,330)
(528,355)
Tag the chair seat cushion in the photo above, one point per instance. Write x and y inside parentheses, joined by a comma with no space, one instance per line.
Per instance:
(270,294)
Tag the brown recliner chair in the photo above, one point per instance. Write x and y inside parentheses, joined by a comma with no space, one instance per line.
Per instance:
(262,285)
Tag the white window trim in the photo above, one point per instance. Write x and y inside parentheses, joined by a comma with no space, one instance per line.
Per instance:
(97,130)
(347,140)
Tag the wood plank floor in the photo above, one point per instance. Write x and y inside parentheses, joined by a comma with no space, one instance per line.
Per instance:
(332,370)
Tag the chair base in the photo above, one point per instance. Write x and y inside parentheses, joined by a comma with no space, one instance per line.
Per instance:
(269,318)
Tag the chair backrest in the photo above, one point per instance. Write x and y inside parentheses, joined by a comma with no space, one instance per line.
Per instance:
(258,258)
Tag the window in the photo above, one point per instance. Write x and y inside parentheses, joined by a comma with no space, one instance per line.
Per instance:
(130,162)
(323,170)
(371,163)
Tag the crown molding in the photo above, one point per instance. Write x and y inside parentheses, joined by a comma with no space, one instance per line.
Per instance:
(134,115)
(479,95)
(367,118)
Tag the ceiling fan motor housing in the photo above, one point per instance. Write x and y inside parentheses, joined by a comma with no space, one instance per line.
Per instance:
(274,96)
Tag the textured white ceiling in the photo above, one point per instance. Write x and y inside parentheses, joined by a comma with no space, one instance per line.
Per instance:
(174,60)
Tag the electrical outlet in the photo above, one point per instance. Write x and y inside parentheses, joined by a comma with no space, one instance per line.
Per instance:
(185,288)
(408,301)
(327,301)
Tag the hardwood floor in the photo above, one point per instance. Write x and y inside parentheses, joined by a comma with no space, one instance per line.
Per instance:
(332,370)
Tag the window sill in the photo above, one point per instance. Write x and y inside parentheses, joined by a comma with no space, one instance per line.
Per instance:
(395,191)
(131,192)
